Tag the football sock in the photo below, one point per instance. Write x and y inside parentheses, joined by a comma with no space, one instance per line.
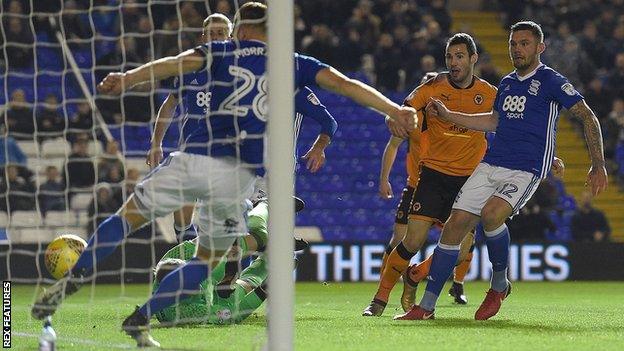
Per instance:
(103,243)
(185,233)
(384,259)
(398,260)
(462,268)
(497,242)
(421,270)
(443,260)
(182,283)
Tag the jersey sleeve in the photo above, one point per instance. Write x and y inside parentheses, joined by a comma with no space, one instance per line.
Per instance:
(563,91)
(417,98)
(212,52)
(497,98)
(306,68)
(309,105)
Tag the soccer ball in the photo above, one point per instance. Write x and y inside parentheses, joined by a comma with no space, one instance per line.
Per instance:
(62,254)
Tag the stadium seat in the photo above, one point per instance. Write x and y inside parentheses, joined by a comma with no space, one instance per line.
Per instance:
(32,236)
(95,148)
(26,219)
(80,202)
(4,219)
(60,219)
(83,218)
(55,148)
(29,148)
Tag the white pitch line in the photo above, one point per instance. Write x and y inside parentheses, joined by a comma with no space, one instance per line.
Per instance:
(80,341)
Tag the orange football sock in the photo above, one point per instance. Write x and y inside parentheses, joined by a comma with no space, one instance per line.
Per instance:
(398,260)
(462,268)
(421,270)
(384,259)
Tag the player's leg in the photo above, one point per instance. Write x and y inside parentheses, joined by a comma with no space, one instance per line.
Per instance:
(514,189)
(464,217)
(400,224)
(149,201)
(425,208)
(183,223)
(222,188)
(459,273)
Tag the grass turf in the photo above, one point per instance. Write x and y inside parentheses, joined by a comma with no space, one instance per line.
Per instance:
(537,316)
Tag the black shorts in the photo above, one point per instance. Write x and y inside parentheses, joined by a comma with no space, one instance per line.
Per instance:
(404,205)
(434,195)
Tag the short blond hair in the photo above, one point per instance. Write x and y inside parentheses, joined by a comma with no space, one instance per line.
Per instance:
(218,17)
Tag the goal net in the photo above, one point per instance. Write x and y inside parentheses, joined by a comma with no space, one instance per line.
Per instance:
(74,156)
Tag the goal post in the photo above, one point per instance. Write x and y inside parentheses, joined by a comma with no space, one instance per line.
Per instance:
(281,179)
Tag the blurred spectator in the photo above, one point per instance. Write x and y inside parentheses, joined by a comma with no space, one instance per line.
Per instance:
(19,41)
(301,28)
(349,52)
(79,171)
(19,191)
(74,22)
(321,44)
(441,15)
(598,98)
(50,123)
(110,166)
(144,40)
(131,12)
(588,223)
(488,71)
(19,117)
(388,62)
(531,224)
(427,64)
(616,76)
(52,192)
(102,206)
(10,152)
(81,122)
(593,45)
(367,24)
(546,196)
(614,127)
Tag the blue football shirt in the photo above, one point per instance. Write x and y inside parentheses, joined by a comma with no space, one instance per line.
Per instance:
(528,109)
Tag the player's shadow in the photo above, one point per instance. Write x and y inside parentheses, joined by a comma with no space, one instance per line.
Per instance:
(498,324)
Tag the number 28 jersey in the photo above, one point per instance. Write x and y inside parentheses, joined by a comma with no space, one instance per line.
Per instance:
(236,86)
(528,109)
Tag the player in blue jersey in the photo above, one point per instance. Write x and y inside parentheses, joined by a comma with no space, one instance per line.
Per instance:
(189,95)
(190,100)
(524,117)
(218,162)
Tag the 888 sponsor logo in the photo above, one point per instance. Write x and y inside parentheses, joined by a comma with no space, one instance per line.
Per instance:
(514,106)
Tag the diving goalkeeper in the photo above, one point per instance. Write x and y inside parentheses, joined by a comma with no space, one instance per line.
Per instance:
(224,303)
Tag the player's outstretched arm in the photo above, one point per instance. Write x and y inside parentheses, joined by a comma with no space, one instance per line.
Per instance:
(188,61)
(163,120)
(332,80)
(597,177)
(387,160)
(485,122)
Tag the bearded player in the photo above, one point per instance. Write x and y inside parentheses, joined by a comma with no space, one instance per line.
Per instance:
(524,117)
(448,155)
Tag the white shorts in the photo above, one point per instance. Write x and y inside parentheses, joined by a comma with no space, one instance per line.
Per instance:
(221,186)
(515,187)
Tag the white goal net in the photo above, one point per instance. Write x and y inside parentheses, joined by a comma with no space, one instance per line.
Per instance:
(73,157)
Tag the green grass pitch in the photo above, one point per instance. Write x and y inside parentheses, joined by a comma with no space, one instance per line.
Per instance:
(537,316)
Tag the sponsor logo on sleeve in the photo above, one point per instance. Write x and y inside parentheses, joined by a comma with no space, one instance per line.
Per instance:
(568,89)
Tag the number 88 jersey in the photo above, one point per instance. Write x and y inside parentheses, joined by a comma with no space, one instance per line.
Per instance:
(235,121)
(528,109)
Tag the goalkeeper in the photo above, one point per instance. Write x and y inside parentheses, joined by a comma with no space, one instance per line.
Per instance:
(224,304)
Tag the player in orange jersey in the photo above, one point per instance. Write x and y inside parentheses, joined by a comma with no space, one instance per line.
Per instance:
(448,155)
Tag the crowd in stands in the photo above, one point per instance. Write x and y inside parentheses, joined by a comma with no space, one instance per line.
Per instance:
(389,43)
